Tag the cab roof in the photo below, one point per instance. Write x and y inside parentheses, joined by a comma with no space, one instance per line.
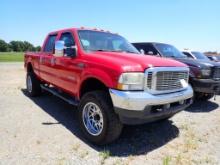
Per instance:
(76,29)
(149,43)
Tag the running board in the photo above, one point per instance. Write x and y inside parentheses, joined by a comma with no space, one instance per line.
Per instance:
(63,96)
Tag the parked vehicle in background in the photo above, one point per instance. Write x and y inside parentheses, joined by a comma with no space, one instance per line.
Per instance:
(196,55)
(108,79)
(214,58)
(204,74)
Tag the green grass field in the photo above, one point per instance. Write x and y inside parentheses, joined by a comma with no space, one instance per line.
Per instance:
(11,56)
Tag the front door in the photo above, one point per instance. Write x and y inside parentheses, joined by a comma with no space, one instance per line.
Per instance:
(67,70)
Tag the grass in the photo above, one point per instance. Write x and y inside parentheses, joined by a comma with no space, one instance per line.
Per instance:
(105,154)
(11,56)
(166,160)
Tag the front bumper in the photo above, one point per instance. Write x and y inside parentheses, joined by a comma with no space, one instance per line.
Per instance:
(206,85)
(141,107)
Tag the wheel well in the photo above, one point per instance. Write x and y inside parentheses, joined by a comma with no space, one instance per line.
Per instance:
(92,84)
(29,68)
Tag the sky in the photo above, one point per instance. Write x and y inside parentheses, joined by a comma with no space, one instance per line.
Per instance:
(193,24)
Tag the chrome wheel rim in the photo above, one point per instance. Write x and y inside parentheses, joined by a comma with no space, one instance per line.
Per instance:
(92,119)
(29,84)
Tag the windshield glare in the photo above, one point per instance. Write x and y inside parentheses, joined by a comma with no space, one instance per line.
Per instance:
(200,56)
(169,51)
(102,41)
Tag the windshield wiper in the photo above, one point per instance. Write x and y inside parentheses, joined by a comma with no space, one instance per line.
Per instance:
(100,50)
(105,50)
(170,56)
(131,52)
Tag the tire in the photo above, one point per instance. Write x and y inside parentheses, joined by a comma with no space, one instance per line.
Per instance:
(111,126)
(204,96)
(32,85)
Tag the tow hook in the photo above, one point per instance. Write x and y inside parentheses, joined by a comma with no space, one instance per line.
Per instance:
(216,91)
(214,96)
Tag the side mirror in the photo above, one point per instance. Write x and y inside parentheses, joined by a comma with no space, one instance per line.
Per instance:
(70,51)
(59,48)
(62,50)
(142,51)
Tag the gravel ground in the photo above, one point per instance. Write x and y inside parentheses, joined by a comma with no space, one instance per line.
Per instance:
(44,130)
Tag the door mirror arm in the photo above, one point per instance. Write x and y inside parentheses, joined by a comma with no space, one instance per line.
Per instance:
(70,51)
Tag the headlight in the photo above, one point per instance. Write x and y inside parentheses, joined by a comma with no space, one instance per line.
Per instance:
(131,81)
(206,72)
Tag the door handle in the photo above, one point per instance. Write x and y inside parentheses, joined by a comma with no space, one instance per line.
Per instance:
(80,65)
(41,59)
(53,61)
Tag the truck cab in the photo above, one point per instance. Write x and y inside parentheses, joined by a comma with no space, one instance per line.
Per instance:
(204,74)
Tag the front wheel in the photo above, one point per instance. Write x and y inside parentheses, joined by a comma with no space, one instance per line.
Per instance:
(97,119)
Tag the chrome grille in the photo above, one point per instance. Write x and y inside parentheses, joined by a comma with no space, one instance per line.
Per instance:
(166,79)
(170,80)
(216,73)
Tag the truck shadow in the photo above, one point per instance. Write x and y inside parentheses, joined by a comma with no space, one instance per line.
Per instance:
(202,106)
(134,140)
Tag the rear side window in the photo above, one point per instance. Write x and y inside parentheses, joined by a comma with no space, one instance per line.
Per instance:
(69,42)
(49,46)
(187,54)
(148,49)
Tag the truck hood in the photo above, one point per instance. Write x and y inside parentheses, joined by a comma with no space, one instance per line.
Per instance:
(199,63)
(132,62)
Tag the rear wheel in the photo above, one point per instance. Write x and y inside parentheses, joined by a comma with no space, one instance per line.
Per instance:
(32,85)
(97,119)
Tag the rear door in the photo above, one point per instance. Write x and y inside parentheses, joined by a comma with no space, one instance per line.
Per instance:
(46,59)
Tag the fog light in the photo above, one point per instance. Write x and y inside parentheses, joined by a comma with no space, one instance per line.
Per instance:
(181,102)
(166,106)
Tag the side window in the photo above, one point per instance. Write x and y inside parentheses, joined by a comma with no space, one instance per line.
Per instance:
(69,42)
(68,39)
(49,46)
(149,49)
(187,54)
(117,44)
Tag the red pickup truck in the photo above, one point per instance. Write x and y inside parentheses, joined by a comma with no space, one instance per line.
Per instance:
(108,79)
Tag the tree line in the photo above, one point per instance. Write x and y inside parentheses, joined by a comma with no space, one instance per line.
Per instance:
(212,53)
(17,46)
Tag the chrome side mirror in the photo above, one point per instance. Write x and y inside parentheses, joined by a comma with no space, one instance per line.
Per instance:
(59,48)
(62,50)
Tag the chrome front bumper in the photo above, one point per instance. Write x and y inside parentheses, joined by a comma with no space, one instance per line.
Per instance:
(138,100)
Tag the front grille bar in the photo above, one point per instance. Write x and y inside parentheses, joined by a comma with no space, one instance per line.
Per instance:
(165,79)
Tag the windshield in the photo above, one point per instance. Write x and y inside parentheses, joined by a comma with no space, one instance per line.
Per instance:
(102,41)
(200,56)
(169,51)
(218,57)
